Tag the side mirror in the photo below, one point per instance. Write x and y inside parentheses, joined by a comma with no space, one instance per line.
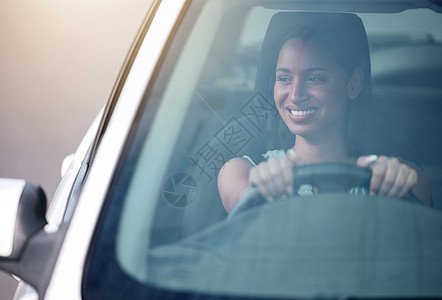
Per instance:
(22,213)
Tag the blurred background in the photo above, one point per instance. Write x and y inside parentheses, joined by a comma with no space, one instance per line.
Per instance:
(58,63)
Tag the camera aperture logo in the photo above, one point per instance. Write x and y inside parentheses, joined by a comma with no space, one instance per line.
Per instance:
(180,190)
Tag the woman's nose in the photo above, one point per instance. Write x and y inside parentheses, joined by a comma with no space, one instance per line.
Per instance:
(297,92)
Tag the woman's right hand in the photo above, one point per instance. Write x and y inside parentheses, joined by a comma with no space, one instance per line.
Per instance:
(274,178)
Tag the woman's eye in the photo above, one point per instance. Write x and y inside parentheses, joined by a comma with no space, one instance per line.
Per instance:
(284,79)
(315,79)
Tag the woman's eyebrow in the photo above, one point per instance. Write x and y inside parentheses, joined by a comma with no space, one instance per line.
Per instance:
(285,70)
(317,69)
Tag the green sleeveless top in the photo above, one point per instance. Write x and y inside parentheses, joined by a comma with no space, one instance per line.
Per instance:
(304,189)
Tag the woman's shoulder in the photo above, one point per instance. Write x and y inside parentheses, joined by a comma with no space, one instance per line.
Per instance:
(238,163)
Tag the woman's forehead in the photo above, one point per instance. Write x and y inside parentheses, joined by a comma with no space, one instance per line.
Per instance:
(301,54)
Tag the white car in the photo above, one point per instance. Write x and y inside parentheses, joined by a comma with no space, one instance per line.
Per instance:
(138,215)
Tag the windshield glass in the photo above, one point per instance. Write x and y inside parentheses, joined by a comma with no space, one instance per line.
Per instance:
(247,82)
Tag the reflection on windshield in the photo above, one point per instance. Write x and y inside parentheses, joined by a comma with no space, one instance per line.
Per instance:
(254,92)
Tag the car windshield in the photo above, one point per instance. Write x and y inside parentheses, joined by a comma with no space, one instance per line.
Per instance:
(164,228)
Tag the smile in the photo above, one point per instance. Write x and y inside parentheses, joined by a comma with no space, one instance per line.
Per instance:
(303,112)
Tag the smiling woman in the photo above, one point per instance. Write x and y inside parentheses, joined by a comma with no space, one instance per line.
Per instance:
(164,231)
(311,86)
(321,91)
(333,207)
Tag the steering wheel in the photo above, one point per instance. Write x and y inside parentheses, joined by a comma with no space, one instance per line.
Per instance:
(326,177)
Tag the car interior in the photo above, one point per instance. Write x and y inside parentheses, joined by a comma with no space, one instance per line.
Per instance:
(406,103)
(164,225)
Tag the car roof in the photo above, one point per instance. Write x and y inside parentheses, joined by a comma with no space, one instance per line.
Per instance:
(380,6)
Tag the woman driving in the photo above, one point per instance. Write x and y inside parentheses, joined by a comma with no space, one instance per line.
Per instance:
(319,74)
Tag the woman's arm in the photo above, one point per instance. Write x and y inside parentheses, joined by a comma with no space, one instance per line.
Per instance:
(422,188)
(233,181)
(273,178)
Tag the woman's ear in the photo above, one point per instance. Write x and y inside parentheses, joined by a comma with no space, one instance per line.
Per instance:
(355,83)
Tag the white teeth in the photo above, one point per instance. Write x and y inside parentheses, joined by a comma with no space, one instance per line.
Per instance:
(303,112)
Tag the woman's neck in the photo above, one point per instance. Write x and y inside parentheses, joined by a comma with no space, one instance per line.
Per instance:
(326,149)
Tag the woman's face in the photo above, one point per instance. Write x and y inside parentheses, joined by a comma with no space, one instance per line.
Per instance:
(311,90)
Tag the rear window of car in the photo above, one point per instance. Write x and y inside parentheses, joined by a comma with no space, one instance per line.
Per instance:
(164,230)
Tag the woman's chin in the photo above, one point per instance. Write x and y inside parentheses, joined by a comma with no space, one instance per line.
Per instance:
(301,131)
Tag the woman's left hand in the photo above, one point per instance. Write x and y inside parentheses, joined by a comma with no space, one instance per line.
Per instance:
(390,177)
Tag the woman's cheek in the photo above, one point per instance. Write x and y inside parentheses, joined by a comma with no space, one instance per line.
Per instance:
(279,94)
